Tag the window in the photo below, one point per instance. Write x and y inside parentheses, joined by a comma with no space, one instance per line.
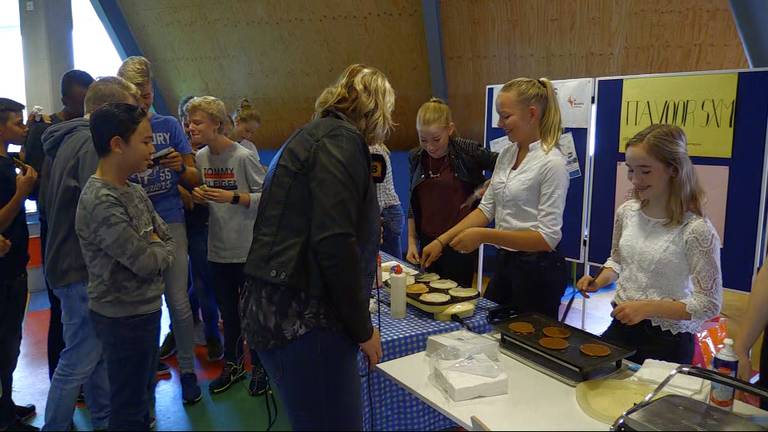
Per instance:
(12,84)
(94,51)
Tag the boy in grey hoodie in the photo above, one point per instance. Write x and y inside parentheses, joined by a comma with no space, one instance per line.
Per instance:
(126,246)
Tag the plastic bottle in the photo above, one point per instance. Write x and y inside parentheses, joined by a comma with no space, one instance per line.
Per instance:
(725,362)
(397,282)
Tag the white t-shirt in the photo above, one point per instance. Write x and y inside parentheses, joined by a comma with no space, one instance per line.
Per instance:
(249,146)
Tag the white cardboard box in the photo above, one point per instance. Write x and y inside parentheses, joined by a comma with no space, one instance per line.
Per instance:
(461,386)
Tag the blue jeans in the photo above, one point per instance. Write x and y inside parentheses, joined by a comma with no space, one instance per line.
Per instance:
(318,382)
(392,222)
(130,346)
(203,293)
(82,363)
(177,300)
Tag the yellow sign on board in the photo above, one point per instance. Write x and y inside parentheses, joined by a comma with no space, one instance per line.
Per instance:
(703,105)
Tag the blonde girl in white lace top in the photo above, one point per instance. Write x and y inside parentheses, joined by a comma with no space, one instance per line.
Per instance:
(665,257)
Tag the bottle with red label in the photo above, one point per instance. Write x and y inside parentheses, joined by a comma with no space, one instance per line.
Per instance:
(727,363)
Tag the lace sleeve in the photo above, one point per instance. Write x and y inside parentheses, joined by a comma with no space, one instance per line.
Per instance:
(702,251)
(614,261)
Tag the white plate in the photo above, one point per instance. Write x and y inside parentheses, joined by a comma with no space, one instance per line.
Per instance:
(433,298)
(443,284)
(463,292)
(428,277)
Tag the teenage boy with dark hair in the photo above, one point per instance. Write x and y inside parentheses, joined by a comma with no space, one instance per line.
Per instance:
(126,247)
(14,190)
(74,85)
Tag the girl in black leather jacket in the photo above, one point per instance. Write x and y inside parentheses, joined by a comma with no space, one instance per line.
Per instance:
(313,258)
(445,173)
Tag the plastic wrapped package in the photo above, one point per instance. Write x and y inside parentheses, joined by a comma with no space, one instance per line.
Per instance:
(464,374)
(465,341)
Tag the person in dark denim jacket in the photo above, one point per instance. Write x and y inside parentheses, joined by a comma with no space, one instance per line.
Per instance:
(446,181)
(312,262)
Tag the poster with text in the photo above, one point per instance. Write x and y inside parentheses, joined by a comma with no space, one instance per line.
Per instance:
(703,106)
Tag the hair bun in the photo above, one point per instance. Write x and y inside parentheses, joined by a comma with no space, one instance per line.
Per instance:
(437,100)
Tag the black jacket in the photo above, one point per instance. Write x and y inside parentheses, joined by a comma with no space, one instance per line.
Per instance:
(313,258)
(468,160)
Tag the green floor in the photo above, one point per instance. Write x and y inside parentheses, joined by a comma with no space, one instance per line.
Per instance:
(234,409)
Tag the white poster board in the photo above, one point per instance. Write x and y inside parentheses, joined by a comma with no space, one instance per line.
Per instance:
(574,97)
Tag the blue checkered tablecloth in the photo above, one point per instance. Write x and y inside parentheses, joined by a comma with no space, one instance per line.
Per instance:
(386,405)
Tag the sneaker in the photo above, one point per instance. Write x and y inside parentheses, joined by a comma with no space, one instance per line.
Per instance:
(231,374)
(20,426)
(200,334)
(24,412)
(215,349)
(259,382)
(168,348)
(190,391)
(163,369)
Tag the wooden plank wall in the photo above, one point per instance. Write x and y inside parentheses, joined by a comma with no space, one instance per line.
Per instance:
(493,41)
(282,53)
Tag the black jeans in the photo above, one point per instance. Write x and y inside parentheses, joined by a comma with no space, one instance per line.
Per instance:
(13,302)
(651,342)
(228,280)
(130,349)
(55,327)
(529,281)
(317,379)
(453,265)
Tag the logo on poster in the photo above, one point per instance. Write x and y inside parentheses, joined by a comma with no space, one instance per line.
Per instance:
(574,104)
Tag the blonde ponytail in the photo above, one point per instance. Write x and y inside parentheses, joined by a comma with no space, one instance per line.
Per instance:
(434,112)
(246,112)
(540,93)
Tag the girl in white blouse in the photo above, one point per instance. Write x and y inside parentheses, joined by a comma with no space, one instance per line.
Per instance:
(665,256)
(526,198)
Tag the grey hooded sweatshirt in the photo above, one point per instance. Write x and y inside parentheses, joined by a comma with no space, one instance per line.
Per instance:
(71,160)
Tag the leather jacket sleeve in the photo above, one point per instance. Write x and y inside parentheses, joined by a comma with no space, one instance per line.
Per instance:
(413,161)
(339,182)
(485,158)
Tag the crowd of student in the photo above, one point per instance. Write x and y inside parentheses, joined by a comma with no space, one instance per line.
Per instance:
(135,206)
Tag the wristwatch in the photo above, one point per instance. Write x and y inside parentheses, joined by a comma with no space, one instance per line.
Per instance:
(235,198)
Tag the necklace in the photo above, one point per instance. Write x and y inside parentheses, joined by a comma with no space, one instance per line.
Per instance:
(440,168)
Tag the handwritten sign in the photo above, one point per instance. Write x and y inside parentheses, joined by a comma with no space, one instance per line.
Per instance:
(703,106)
